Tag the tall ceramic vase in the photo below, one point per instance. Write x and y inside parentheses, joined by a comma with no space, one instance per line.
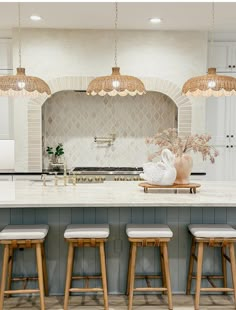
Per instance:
(183,165)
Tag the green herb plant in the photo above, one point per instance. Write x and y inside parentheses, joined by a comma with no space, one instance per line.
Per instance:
(57,152)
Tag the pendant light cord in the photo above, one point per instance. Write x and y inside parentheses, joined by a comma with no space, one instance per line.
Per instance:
(212,23)
(116,35)
(19,32)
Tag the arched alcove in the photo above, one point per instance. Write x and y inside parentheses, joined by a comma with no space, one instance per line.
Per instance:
(80,83)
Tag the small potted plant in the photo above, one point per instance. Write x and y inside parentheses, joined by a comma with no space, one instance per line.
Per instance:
(181,146)
(56,154)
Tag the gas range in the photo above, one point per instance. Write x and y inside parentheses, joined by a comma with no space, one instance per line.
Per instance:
(101,174)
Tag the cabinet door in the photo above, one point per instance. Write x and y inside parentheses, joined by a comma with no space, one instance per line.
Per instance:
(5,54)
(232,120)
(233,57)
(217,121)
(5,177)
(220,56)
(218,126)
(219,171)
(6,118)
(27,177)
(232,164)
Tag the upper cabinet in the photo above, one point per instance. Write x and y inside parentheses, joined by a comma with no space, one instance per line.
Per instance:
(5,55)
(6,104)
(222,56)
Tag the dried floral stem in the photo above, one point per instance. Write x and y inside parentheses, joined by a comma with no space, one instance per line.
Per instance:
(197,143)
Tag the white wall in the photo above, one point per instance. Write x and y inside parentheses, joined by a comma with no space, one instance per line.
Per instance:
(175,56)
(169,55)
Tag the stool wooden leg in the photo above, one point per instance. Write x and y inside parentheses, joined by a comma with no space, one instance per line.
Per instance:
(68,274)
(233,268)
(128,278)
(104,274)
(40,274)
(132,274)
(4,274)
(162,268)
(10,266)
(191,263)
(167,275)
(199,274)
(45,275)
(224,267)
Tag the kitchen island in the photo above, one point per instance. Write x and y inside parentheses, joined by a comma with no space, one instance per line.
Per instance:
(32,194)
(116,203)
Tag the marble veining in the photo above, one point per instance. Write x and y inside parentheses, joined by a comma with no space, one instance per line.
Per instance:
(112,194)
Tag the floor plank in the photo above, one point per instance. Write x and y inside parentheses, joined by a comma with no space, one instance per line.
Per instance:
(119,302)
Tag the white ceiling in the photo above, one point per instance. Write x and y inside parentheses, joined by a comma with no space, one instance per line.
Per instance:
(100,15)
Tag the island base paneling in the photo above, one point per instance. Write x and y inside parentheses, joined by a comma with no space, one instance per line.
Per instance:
(117,248)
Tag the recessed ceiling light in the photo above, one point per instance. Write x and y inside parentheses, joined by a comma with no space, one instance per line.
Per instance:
(35,17)
(155,20)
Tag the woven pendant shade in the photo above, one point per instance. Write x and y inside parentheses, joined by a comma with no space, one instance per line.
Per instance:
(210,84)
(116,84)
(20,84)
(23,85)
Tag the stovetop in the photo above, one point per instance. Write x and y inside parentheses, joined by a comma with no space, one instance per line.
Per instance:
(108,169)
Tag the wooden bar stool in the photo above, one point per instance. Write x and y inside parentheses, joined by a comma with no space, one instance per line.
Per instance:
(213,235)
(83,235)
(156,235)
(21,237)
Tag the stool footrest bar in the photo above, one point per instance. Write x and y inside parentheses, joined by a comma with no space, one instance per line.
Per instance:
(150,289)
(93,289)
(21,291)
(217,289)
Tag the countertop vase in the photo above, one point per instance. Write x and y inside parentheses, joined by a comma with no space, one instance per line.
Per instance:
(183,165)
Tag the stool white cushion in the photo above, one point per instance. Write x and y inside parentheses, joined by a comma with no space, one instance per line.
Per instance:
(24,232)
(148,231)
(212,231)
(75,231)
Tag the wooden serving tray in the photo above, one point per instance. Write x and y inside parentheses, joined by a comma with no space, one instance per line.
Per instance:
(192,186)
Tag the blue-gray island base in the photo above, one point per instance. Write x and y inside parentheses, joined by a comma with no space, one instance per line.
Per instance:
(117,248)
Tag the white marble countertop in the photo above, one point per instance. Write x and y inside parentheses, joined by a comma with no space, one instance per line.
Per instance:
(24,194)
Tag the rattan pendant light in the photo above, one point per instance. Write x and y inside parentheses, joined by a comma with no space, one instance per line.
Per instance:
(21,84)
(116,84)
(210,84)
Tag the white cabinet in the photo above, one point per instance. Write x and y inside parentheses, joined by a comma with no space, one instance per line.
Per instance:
(5,55)
(26,177)
(221,125)
(6,177)
(222,56)
(6,118)
(6,104)
(31,177)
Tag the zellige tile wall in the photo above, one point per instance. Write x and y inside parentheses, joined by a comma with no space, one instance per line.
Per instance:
(74,119)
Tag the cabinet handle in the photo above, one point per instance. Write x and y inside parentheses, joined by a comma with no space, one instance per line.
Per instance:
(232,136)
(231,146)
(227,136)
(229,66)
(227,146)
(233,66)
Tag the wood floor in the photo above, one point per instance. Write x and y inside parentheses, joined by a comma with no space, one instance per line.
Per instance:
(116,302)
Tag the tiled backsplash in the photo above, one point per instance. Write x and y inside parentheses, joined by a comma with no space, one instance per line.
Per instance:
(74,119)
